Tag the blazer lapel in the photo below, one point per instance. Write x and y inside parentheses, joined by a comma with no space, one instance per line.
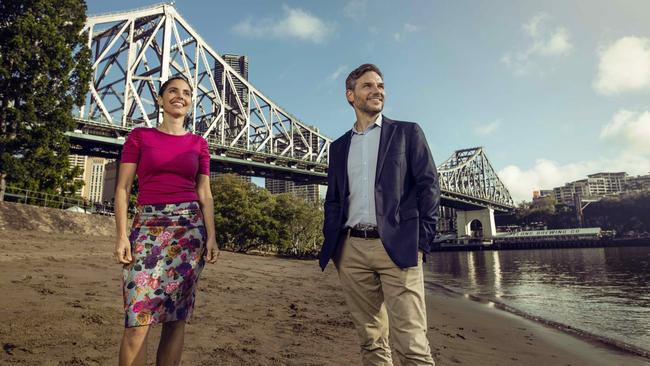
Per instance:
(387,132)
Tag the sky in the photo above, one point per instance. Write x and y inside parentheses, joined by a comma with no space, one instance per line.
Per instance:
(552,90)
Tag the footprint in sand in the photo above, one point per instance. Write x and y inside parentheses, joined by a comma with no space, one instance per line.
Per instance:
(22,280)
(45,291)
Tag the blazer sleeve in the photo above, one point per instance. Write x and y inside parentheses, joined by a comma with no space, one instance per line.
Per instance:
(427,186)
(332,205)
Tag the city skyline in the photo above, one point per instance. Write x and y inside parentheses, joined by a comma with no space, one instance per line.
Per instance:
(553,91)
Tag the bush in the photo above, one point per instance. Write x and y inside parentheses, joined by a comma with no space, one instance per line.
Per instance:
(248,218)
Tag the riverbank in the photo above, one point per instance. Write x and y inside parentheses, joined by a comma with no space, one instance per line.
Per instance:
(62,306)
(543,244)
(511,339)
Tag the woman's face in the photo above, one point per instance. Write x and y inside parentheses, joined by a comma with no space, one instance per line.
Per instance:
(176,98)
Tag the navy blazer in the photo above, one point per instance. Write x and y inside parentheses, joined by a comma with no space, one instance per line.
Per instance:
(407,193)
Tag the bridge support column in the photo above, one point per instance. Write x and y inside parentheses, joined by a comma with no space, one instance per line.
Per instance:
(464,221)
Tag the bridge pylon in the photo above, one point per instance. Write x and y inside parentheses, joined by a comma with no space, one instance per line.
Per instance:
(476,224)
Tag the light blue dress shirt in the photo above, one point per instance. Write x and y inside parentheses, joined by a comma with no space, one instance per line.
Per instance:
(362,169)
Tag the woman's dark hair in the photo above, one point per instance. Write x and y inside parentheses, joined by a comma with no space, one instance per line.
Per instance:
(164,86)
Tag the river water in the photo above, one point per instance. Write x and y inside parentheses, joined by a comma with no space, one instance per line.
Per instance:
(602,291)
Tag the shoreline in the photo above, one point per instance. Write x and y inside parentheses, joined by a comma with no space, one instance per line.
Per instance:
(599,340)
(65,307)
(483,334)
(543,244)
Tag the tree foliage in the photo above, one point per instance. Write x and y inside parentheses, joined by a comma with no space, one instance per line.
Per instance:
(626,214)
(44,72)
(300,226)
(536,211)
(248,218)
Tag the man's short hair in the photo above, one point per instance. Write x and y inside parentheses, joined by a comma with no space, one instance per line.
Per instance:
(351,80)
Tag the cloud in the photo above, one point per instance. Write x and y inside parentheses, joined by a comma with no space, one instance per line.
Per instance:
(545,174)
(624,66)
(406,28)
(544,44)
(355,9)
(533,25)
(548,174)
(558,44)
(339,70)
(296,24)
(630,130)
(487,128)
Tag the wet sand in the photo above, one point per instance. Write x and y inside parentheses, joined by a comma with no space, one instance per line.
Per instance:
(61,305)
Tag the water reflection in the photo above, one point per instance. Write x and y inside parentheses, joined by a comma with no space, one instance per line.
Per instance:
(471,269)
(602,290)
(496,270)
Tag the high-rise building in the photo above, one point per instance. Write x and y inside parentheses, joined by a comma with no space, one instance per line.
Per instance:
(594,186)
(78,161)
(240,65)
(244,178)
(110,180)
(638,183)
(446,220)
(92,175)
(234,115)
(545,192)
(542,193)
(601,184)
(94,179)
(308,192)
(566,193)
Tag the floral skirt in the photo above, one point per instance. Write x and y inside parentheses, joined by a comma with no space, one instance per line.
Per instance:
(167,243)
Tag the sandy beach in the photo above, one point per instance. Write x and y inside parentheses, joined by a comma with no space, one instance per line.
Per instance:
(61,304)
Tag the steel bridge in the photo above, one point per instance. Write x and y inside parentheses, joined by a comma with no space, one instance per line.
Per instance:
(468,182)
(134,51)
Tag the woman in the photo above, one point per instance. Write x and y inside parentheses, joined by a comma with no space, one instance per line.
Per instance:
(169,240)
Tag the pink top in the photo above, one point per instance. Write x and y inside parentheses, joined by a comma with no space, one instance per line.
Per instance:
(168,165)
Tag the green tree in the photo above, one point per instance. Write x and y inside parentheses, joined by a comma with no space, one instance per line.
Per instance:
(248,217)
(300,229)
(244,215)
(627,213)
(44,72)
(539,210)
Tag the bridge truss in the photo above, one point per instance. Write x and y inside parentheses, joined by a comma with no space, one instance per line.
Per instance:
(467,179)
(133,52)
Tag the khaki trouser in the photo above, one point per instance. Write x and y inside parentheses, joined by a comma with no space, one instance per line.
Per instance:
(382,296)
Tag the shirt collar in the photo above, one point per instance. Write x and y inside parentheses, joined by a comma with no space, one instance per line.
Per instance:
(377,123)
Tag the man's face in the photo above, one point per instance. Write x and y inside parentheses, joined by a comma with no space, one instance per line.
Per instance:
(368,94)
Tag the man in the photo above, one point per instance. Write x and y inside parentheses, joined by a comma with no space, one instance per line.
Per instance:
(380,216)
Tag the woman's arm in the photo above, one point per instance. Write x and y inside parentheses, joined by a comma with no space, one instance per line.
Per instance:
(122,193)
(207,208)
